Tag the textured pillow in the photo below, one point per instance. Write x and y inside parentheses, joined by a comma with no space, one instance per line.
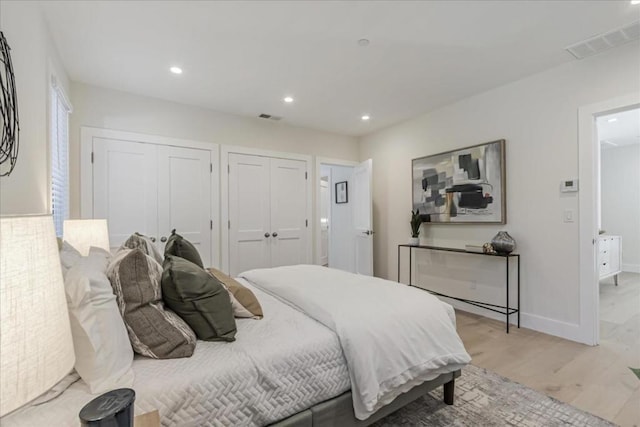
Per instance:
(179,246)
(103,352)
(199,299)
(153,330)
(137,240)
(241,293)
(69,256)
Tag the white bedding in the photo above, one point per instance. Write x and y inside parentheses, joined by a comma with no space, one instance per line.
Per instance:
(394,337)
(277,366)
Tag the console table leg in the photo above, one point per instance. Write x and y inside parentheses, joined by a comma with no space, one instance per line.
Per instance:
(449,389)
(518,291)
(507,263)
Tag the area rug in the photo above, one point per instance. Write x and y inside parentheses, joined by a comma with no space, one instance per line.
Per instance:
(483,398)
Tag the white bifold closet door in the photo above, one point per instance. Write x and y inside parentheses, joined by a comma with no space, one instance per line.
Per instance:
(267,212)
(152,189)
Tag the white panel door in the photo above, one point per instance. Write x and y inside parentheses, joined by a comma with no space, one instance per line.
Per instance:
(249,213)
(363,217)
(325,202)
(288,212)
(184,197)
(125,188)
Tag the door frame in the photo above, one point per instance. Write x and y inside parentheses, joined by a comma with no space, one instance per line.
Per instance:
(588,178)
(225,150)
(87,134)
(316,180)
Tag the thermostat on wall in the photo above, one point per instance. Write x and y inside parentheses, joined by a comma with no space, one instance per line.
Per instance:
(569,186)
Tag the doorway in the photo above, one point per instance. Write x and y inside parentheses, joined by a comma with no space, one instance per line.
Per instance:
(344,235)
(618,210)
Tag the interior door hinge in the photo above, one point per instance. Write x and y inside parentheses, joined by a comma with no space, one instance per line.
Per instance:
(92,157)
(306,223)
(211,167)
(211,224)
(228,168)
(229,224)
(305,175)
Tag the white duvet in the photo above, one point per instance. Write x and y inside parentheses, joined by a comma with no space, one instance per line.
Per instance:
(393,337)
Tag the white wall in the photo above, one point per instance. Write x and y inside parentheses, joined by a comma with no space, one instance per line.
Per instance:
(342,253)
(34,58)
(105,108)
(620,199)
(538,116)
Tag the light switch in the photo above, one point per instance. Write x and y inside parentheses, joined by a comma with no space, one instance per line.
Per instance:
(568,215)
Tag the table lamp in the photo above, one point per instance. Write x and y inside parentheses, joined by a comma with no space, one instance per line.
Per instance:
(84,233)
(36,348)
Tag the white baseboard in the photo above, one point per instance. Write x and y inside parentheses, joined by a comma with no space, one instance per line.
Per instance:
(631,268)
(569,331)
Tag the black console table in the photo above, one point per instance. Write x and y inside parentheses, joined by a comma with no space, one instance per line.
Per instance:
(506,310)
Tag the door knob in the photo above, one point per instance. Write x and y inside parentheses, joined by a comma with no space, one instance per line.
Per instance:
(163,239)
(368,232)
(153,239)
(267,235)
(275,234)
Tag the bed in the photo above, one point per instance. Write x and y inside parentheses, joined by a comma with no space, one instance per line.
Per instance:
(292,368)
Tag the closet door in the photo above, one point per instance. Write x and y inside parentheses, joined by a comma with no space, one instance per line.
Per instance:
(249,213)
(184,197)
(125,187)
(288,212)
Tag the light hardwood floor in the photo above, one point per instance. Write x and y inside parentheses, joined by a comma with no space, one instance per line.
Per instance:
(595,379)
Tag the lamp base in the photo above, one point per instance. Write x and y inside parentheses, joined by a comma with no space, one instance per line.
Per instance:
(111,409)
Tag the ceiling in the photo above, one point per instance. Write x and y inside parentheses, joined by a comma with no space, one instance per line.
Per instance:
(619,129)
(244,57)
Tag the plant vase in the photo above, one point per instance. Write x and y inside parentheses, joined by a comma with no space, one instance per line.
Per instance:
(414,241)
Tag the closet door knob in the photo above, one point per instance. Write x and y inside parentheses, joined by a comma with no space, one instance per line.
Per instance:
(153,239)
(275,234)
(163,239)
(267,235)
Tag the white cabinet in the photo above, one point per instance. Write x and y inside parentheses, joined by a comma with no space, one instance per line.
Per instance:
(609,256)
(267,212)
(152,189)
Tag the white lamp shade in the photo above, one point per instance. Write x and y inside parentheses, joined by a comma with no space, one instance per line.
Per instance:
(84,233)
(36,348)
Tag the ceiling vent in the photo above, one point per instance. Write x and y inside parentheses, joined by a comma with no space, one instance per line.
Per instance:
(605,41)
(269,117)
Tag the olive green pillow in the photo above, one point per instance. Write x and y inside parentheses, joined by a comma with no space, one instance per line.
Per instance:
(199,298)
(179,246)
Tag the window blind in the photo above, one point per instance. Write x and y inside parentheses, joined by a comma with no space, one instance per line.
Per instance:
(60,110)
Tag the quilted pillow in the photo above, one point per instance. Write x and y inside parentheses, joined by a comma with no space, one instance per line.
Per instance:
(240,293)
(199,299)
(103,352)
(137,240)
(179,246)
(153,330)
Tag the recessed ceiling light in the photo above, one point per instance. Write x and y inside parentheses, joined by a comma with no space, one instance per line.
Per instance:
(613,119)
(176,70)
(288,99)
(634,2)
(365,117)
(363,42)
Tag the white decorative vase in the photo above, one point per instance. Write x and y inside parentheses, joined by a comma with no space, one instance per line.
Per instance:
(414,241)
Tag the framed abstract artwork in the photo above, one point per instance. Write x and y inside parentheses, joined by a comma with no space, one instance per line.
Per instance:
(463,186)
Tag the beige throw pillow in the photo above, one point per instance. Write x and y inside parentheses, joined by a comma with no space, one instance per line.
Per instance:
(154,331)
(240,294)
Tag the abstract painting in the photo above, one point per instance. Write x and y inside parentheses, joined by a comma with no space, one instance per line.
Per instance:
(464,186)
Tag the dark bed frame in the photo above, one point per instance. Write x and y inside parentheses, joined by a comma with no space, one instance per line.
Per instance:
(338,411)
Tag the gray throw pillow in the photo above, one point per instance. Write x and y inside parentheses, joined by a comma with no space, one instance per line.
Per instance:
(179,246)
(199,298)
(153,330)
(140,241)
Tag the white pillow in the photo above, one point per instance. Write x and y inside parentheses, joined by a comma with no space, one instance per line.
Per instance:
(103,352)
(68,257)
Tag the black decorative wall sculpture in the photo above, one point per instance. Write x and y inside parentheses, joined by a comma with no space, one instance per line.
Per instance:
(9,111)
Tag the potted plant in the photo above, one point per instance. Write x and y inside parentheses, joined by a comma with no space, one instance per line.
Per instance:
(416,222)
